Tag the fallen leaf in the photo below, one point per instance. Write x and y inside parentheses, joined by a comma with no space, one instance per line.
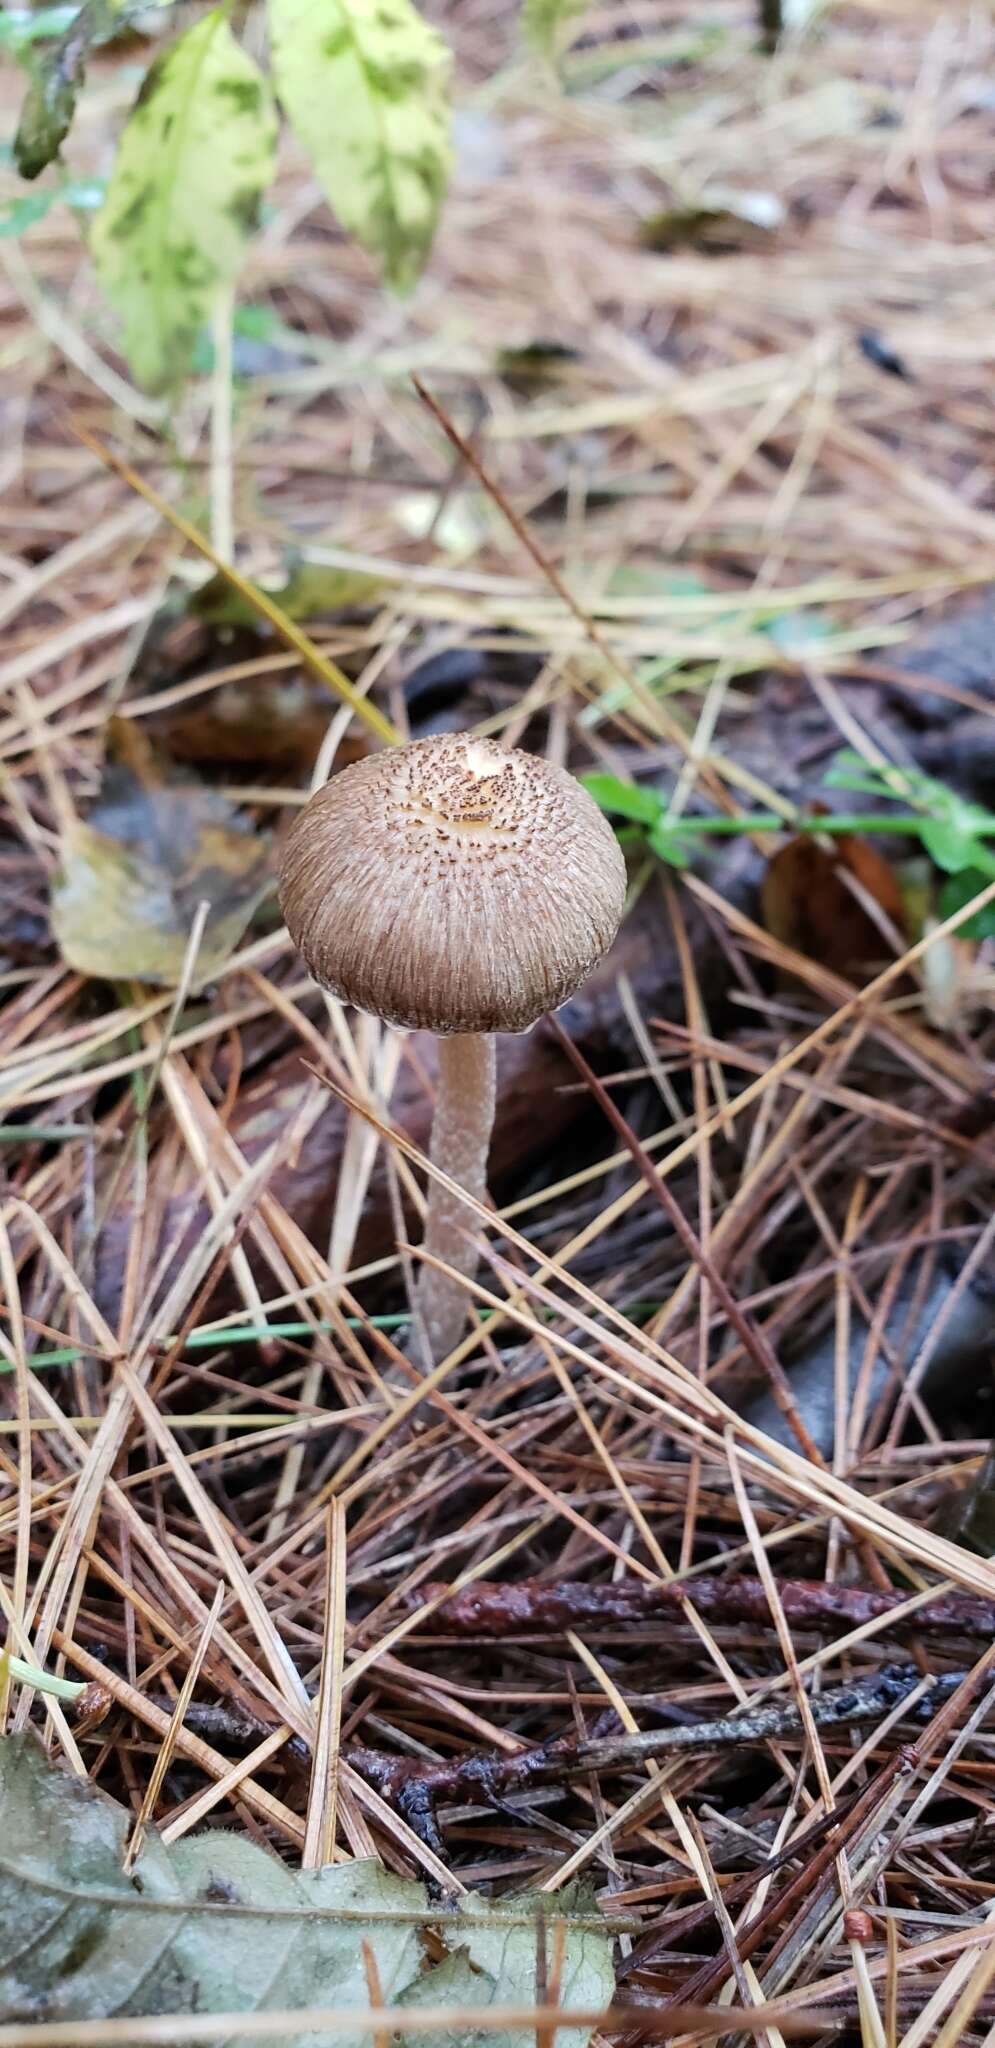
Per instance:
(276,723)
(809,906)
(535,365)
(310,590)
(214,1923)
(720,224)
(133,874)
(275,720)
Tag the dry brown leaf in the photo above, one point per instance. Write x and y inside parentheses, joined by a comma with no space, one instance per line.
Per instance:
(809,905)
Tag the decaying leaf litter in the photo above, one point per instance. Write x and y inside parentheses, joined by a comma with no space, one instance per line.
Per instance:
(788,542)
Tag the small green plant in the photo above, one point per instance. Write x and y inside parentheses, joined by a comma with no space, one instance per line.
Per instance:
(951,829)
(362,84)
(18,215)
(954,832)
(15,1669)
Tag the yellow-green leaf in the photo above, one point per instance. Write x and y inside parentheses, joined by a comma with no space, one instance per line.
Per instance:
(131,878)
(363,85)
(192,165)
(311,591)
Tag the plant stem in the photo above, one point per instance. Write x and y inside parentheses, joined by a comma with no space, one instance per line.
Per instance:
(219,1339)
(461,1136)
(835,821)
(222,527)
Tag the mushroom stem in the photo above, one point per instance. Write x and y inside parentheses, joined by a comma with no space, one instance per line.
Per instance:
(461,1136)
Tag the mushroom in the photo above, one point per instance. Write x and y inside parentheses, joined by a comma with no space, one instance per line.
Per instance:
(459,887)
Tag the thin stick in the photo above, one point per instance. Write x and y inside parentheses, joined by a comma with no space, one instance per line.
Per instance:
(656,713)
(184,2031)
(752,1339)
(844,1706)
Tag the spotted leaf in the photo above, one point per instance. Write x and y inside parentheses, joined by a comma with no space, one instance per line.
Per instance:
(192,165)
(362,83)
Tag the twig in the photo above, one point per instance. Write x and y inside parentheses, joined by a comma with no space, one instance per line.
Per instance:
(550,1607)
(417,1787)
(659,717)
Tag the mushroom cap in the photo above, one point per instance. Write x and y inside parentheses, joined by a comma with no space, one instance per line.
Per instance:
(452,885)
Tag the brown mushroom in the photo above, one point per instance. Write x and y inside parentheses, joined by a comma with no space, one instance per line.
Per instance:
(459,887)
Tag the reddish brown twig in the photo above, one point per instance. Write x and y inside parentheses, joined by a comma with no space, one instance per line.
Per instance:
(549,1607)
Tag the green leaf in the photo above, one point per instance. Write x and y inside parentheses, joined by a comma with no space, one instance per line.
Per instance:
(85,193)
(952,842)
(799,633)
(955,833)
(952,829)
(362,83)
(638,579)
(192,165)
(49,106)
(216,1924)
(131,877)
(310,591)
(959,889)
(624,799)
(647,808)
(50,102)
(850,771)
(668,844)
(546,22)
(18,215)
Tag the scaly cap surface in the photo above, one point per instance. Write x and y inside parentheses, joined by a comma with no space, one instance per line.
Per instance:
(452,885)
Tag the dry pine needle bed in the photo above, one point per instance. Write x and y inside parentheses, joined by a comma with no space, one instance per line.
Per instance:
(667,1593)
